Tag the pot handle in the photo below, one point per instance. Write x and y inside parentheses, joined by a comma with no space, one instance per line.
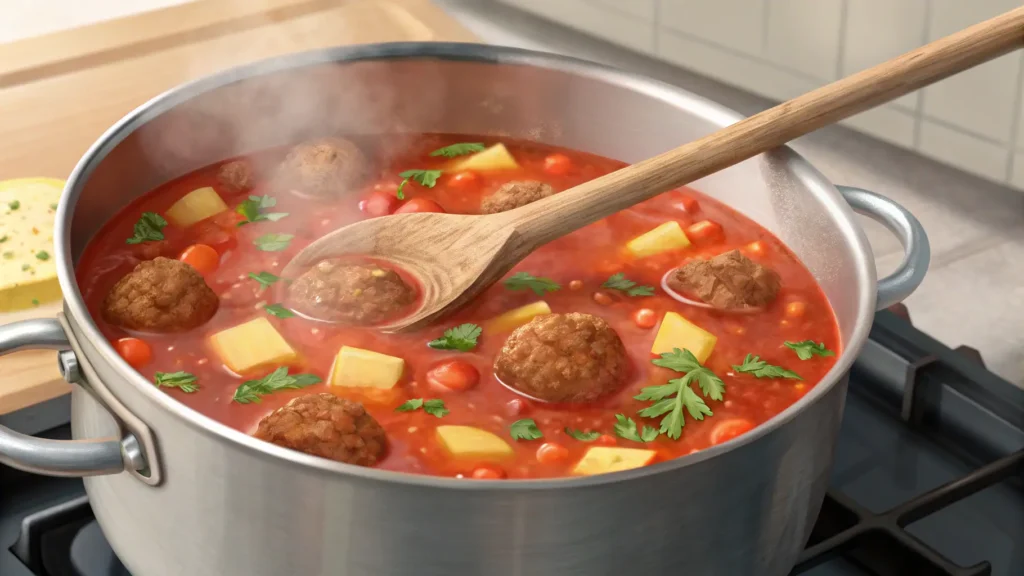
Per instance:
(907,277)
(56,457)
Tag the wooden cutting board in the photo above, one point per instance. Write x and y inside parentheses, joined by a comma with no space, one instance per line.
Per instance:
(60,92)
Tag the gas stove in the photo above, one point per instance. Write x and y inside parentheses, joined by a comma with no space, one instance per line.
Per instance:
(928,478)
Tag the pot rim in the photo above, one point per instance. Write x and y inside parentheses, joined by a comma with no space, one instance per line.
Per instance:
(481,53)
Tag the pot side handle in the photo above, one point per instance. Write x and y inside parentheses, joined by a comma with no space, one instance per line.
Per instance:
(917,252)
(55,457)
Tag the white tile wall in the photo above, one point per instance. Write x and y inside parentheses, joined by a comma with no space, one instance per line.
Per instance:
(782,48)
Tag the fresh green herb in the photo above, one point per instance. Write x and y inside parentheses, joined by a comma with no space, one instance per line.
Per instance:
(434,407)
(623,284)
(264,278)
(251,390)
(14,204)
(462,338)
(273,242)
(761,369)
(670,399)
(806,349)
(25,267)
(279,311)
(3,238)
(460,149)
(525,429)
(253,208)
(187,382)
(582,436)
(625,427)
(43,255)
(149,228)
(524,280)
(8,255)
(53,206)
(425,178)
(35,302)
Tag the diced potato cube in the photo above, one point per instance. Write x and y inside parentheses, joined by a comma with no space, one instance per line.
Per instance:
(604,459)
(496,157)
(516,317)
(666,237)
(678,332)
(470,442)
(197,205)
(358,368)
(255,343)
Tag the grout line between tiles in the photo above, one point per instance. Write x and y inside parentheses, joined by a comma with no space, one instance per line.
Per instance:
(655,20)
(919,111)
(1018,101)
(765,24)
(841,52)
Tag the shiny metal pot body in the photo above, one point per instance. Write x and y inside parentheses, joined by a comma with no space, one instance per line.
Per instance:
(177,493)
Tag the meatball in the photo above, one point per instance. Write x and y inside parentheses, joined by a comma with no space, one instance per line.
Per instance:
(327,426)
(324,168)
(563,358)
(728,281)
(341,291)
(515,194)
(160,295)
(236,175)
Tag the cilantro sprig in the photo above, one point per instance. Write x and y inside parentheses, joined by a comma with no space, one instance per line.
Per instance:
(525,280)
(462,338)
(252,390)
(669,400)
(807,349)
(760,369)
(273,242)
(264,278)
(621,283)
(149,228)
(459,149)
(425,178)
(184,381)
(253,208)
(433,406)
(525,429)
(581,435)
(278,311)
(626,428)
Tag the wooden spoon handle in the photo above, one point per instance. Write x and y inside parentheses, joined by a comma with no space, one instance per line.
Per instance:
(543,221)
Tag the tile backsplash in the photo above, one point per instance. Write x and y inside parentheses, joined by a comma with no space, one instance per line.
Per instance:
(782,48)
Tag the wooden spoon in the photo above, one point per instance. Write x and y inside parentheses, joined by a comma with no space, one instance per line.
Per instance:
(455,257)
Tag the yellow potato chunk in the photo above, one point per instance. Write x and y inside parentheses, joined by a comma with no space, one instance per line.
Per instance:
(678,332)
(358,368)
(496,157)
(666,237)
(470,442)
(605,459)
(516,317)
(197,205)
(247,346)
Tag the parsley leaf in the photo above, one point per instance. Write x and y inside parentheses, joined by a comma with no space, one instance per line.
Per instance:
(273,242)
(582,436)
(461,338)
(759,368)
(434,407)
(460,149)
(4,238)
(806,349)
(14,204)
(43,255)
(252,210)
(623,284)
(264,278)
(251,390)
(425,178)
(149,228)
(525,429)
(670,399)
(279,311)
(625,427)
(524,280)
(187,382)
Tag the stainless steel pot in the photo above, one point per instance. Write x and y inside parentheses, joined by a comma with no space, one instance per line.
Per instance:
(177,493)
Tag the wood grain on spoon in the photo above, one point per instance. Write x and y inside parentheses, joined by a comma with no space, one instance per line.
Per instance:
(457,256)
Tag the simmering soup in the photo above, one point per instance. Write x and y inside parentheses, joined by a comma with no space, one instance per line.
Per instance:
(662,330)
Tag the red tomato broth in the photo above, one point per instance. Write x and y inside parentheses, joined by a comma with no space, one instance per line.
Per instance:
(588,256)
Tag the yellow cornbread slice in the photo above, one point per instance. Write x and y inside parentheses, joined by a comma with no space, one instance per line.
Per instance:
(28,268)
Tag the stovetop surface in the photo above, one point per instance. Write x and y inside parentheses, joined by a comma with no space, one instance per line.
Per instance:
(928,478)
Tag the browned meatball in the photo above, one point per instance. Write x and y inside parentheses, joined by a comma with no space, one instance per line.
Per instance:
(327,426)
(728,281)
(236,175)
(325,168)
(515,194)
(570,357)
(160,295)
(341,291)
